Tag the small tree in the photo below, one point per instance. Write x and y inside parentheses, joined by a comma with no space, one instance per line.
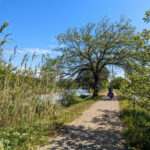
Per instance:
(138,83)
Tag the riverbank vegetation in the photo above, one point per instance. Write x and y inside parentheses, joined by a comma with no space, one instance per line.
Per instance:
(28,134)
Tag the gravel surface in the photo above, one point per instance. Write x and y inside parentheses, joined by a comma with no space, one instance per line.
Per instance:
(98,128)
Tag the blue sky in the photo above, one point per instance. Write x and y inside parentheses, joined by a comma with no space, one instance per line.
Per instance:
(34,24)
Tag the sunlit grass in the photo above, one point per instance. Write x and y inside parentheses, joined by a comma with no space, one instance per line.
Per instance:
(26,135)
(136,119)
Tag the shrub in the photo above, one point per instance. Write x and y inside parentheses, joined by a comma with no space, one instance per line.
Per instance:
(116,82)
(137,125)
(68,98)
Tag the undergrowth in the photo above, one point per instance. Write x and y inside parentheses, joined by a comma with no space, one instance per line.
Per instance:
(136,119)
(27,135)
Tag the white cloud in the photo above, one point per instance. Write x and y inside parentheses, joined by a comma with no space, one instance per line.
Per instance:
(36,50)
(29,50)
(20,51)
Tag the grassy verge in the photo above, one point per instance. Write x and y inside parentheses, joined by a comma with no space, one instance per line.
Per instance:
(24,136)
(136,118)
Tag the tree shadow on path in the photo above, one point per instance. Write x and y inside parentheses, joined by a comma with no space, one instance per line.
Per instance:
(106,98)
(106,136)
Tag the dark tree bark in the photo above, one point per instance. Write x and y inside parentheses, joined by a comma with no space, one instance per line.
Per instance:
(95,93)
(96,80)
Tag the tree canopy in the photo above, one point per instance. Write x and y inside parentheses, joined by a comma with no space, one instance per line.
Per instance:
(92,47)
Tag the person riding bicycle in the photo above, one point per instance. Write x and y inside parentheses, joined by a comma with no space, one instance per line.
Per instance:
(110,92)
(110,89)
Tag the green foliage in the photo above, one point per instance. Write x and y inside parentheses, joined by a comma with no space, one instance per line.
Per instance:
(117,82)
(21,108)
(68,98)
(3,37)
(147,16)
(26,120)
(85,76)
(67,83)
(19,94)
(94,46)
(25,135)
(138,78)
(135,117)
(138,84)
(135,105)
(105,85)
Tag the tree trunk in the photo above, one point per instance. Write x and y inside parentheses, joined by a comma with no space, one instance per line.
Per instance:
(95,93)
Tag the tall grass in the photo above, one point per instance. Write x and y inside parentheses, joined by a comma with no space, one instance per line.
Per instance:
(26,120)
(21,109)
(19,90)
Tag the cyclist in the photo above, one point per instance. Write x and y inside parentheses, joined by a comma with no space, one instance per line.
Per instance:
(110,92)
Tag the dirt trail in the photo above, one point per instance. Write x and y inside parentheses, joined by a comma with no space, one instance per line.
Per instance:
(98,128)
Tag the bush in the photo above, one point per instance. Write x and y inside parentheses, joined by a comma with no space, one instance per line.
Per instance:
(116,82)
(137,125)
(68,98)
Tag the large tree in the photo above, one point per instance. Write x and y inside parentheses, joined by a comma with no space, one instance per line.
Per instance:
(92,47)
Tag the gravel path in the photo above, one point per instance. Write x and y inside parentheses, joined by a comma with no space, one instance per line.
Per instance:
(98,128)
